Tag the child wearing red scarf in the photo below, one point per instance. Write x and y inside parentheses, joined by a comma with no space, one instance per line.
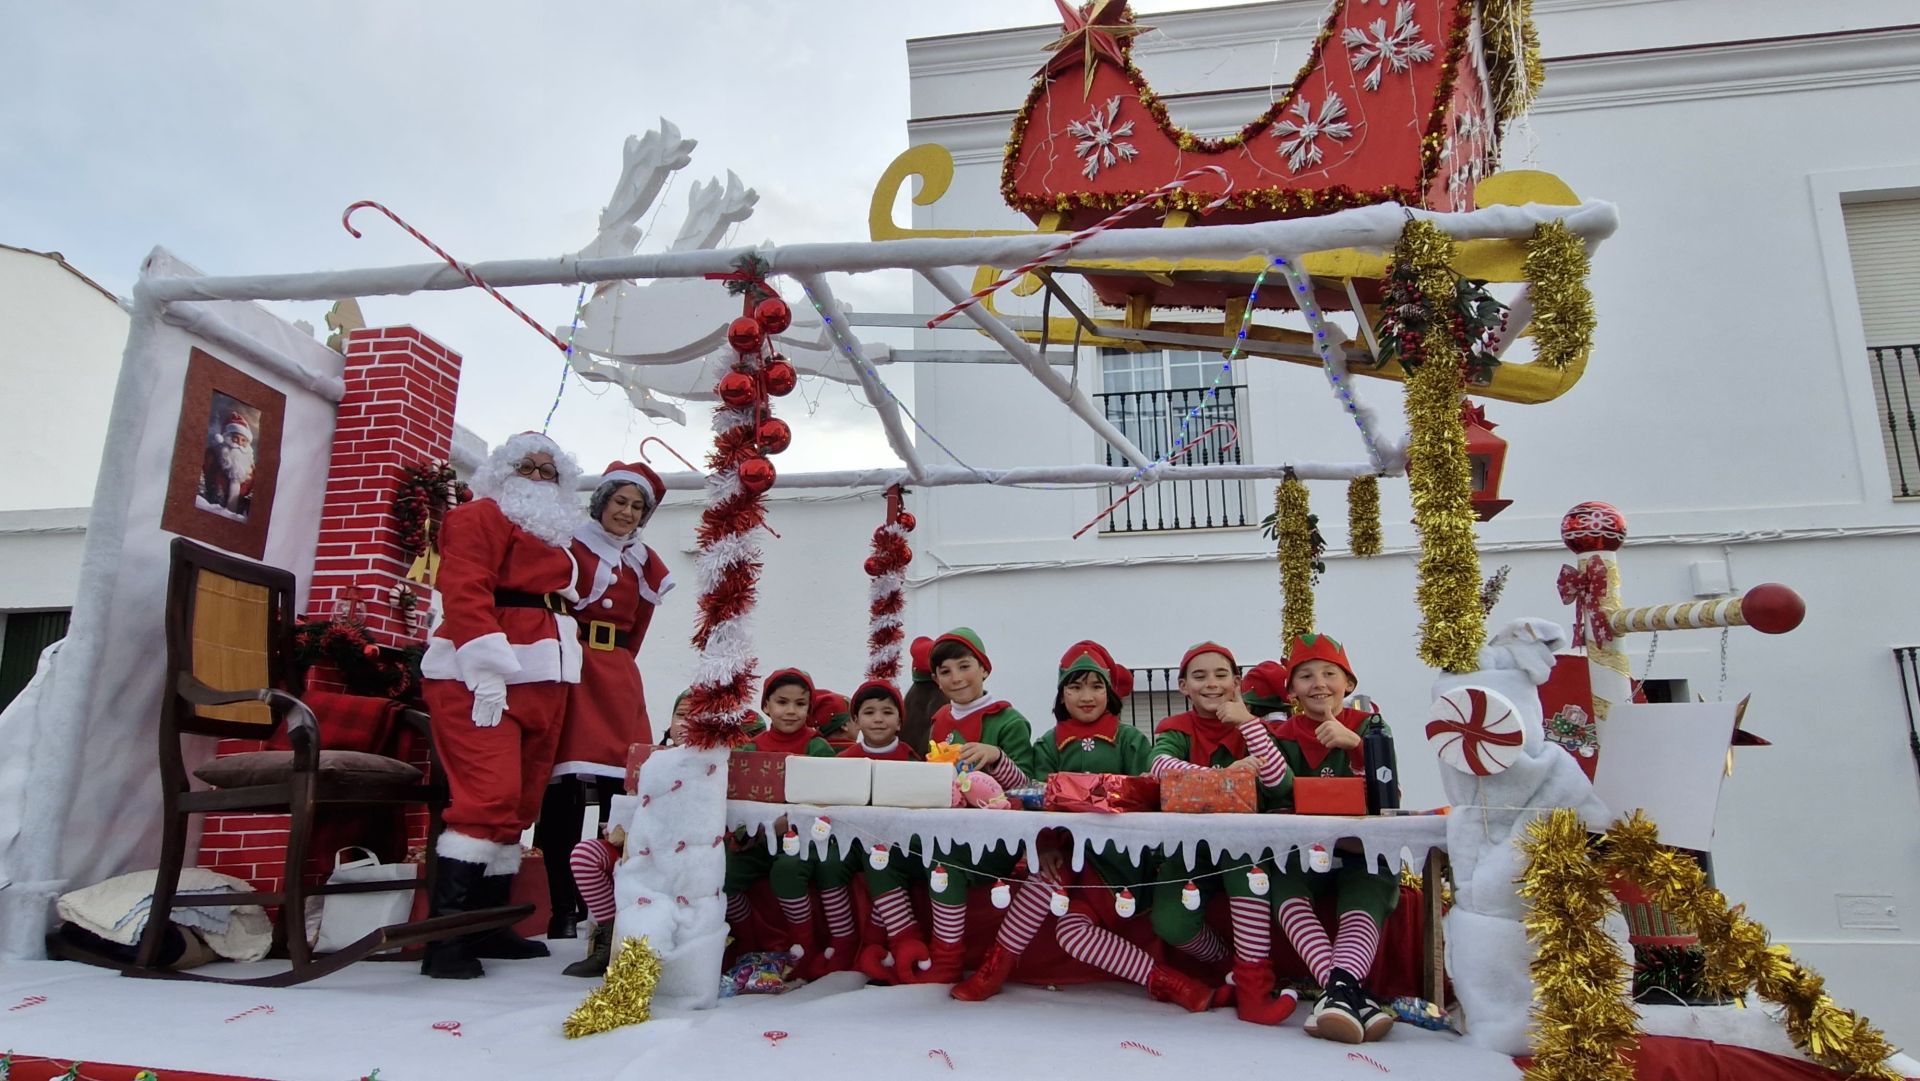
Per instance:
(785,698)
(1087,737)
(1218,731)
(1322,739)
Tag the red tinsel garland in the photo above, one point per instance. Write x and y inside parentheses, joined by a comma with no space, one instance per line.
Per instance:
(887,566)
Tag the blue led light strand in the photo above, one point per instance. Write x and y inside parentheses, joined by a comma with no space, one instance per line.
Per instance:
(566,359)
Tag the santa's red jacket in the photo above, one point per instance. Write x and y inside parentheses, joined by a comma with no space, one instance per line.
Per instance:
(485,557)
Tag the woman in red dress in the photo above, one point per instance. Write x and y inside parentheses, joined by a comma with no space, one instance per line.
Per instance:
(620,582)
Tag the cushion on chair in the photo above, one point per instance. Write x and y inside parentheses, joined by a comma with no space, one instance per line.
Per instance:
(272,767)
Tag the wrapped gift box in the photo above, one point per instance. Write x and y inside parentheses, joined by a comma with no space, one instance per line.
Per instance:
(1105,793)
(757,775)
(839,782)
(636,754)
(912,784)
(1330,795)
(1210,791)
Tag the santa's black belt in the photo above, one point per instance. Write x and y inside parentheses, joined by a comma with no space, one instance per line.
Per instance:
(513,598)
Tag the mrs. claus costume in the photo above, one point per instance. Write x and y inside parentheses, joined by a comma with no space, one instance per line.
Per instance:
(497,670)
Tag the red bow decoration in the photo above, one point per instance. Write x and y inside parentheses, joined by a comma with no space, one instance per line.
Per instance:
(1585,587)
(1475,734)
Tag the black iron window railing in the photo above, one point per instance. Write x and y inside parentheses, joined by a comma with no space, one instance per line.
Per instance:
(1156,695)
(1896,385)
(1907,659)
(1163,423)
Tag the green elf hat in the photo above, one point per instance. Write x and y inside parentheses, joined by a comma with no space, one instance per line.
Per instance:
(880,688)
(966,637)
(1205,647)
(1090,656)
(1264,688)
(1319,647)
(827,712)
(783,676)
(677,699)
(922,654)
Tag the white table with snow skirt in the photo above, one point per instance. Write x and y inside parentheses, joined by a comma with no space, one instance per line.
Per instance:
(1423,837)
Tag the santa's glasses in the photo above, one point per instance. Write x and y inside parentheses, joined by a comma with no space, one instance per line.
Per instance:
(527,467)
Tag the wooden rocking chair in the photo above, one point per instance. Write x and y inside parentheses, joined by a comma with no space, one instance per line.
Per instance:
(229,639)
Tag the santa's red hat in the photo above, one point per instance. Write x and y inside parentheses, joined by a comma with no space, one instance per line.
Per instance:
(236,423)
(641,475)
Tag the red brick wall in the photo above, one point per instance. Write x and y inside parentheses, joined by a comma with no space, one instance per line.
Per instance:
(397,412)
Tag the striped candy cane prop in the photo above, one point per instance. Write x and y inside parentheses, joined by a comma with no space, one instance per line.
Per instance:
(1101,226)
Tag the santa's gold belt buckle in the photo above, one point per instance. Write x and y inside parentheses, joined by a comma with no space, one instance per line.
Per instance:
(600,634)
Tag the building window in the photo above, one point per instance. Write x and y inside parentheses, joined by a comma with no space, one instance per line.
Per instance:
(23,635)
(1883,243)
(1165,402)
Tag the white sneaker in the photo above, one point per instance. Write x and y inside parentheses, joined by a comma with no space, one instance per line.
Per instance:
(1332,1019)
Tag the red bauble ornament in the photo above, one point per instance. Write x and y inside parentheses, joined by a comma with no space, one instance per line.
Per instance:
(757,475)
(370,651)
(1593,527)
(781,378)
(737,389)
(875,566)
(773,315)
(773,435)
(1772,608)
(744,335)
(906,521)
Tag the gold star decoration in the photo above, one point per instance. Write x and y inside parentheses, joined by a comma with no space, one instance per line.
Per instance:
(1096,29)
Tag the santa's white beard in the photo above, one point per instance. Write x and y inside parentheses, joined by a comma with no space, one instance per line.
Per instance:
(236,463)
(540,508)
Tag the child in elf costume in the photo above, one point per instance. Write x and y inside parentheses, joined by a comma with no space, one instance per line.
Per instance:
(785,698)
(1219,731)
(993,737)
(1087,738)
(831,717)
(923,698)
(1322,739)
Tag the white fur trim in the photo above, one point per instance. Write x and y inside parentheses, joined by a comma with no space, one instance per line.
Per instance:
(489,654)
(459,846)
(652,596)
(505,859)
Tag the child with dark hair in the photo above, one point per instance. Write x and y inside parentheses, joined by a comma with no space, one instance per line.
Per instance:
(1087,737)
(923,698)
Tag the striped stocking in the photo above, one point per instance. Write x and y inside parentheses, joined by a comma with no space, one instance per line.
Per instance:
(838,904)
(949,922)
(895,914)
(1308,937)
(1251,942)
(798,912)
(1358,943)
(737,910)
(592,864)
(1101,948)
(1205,946)
(1030,908)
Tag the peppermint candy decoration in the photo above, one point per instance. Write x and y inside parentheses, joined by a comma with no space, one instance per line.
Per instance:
(1475,730)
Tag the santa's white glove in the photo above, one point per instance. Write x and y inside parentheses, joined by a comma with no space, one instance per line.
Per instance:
(489,699)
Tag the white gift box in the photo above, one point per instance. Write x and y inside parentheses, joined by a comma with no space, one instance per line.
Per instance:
(840,782)
(912,784)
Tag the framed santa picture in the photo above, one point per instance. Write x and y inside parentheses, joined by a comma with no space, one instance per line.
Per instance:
(226,458)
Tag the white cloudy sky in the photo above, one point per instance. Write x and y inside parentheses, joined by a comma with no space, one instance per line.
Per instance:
(234,134)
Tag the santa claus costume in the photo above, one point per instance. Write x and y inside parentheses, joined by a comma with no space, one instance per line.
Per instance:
(497,670)
(620,581)
(226,473)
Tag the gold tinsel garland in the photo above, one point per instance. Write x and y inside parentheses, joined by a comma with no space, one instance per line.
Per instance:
(625,998)
(1453,626)
(1295,534)
(1739,955)
(1556,269)
(1582,1021)
(1363,516)
(1514,72)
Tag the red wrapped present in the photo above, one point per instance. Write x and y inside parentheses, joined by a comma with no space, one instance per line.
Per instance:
(1210,791)
(1330,795)
(636,754)
(1105,793)
(758,776)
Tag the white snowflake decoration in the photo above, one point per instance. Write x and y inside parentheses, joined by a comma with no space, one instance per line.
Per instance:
(1100,141)
(1300,138)
(1397,51)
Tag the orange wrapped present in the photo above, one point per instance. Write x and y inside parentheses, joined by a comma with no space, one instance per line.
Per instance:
(1105,793)
(1210,791)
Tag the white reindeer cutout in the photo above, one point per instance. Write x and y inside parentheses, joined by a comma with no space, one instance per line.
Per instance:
(664,336)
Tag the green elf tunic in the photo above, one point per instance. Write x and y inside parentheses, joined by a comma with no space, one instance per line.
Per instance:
(791,877)
(1201,741)
(1102,746)
(1353,884)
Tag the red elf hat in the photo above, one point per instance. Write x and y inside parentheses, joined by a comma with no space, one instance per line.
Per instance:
(1319,647)
(1205,647)
(785,675)
(1091,656)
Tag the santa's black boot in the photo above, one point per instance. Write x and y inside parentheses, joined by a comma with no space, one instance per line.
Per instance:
(454,887)
(503,942)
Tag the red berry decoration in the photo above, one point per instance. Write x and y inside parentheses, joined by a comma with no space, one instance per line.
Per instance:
(773,436)
(757,475)
(781,378)
(906,521)
(737,389)
(773,315)
(744,335)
